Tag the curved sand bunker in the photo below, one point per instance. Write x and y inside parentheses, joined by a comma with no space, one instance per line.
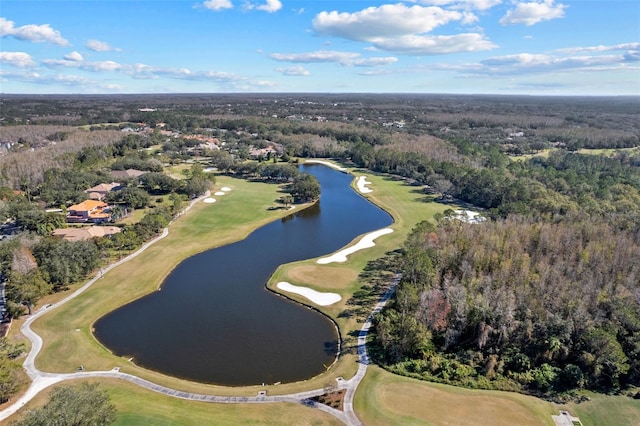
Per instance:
(327,163)
(362,185)
(365,242)
(225,189)
(219,193)
(317,297)
(209,200)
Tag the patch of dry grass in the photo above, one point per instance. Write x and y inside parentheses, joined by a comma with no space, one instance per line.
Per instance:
(386,399)
(322,276)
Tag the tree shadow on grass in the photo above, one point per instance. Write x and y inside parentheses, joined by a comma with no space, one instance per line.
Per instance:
(377,277)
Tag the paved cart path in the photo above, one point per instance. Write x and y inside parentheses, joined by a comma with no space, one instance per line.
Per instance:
(41,380)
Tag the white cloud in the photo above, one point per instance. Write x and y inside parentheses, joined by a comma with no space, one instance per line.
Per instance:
(225,80)
(601,48)
(327,56)
(530,63)
(481,4)
(434,45)
(66,80)
(401,29)
(373,62)
(390,20)
(87,66)
(217,4)
(75,61)
(17,59)
(74,56)
(271,6)
(469,18)
(100,46)
(533,12)
(71,80)
(6,27)
(27,76)
(461,4)
(318,56)
(102,66)
(33,33)
(293,71)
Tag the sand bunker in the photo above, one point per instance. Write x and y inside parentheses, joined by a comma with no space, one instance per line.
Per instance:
(317,297)
(326,163)
(219,193)
(365,242)
(362,185)
(225,189)
(209,200)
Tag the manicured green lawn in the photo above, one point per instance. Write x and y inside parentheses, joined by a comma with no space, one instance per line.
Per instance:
(165,410)
(137,406)
(382,399)
(387,399)
(67,331)
(407,204)
(616,410)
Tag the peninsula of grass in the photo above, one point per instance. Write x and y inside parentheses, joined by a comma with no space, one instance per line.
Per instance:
(407,204)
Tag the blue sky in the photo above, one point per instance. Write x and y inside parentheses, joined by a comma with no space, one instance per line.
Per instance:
(540,47)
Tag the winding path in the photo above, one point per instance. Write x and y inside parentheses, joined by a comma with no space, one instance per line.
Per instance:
(40,380)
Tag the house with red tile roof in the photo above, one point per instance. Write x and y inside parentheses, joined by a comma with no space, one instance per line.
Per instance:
(89,211)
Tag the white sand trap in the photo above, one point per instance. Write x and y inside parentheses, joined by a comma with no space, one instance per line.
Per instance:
(365,242)
(209,200)
(317,297)
(362,185)
(219,193)
(327,163)
(225,189)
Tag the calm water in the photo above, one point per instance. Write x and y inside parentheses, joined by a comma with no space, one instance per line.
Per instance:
(213,320)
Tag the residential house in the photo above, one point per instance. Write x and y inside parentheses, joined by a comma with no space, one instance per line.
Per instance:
(267,152)
(85,232)
(127,174)
(98,192)
(89,211)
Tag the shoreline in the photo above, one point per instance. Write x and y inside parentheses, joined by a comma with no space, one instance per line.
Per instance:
(38,378)
(366,241)
(314,296)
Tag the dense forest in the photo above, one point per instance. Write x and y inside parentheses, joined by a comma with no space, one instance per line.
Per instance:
(544,297)
(517,303)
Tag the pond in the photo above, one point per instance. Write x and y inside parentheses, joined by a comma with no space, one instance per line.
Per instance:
(213,320)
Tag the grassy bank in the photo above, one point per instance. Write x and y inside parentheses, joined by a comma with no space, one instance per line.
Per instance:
(387,399)
(407,204)
(137,406)
(67,331)
(382,399)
